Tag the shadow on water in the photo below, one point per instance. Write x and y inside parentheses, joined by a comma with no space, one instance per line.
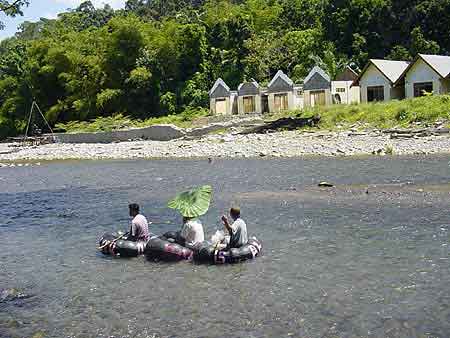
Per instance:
(367,258)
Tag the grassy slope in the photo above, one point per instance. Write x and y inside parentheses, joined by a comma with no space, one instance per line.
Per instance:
(404,113)
(119,121)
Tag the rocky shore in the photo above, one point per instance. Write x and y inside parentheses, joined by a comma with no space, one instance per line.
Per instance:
(234,145)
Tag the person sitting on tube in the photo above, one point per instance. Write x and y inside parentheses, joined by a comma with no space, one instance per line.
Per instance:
(192,232)
(237,230)
(139,225)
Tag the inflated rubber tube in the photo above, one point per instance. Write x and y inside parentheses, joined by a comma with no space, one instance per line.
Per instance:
(161,249)
(206,253)
(122,248)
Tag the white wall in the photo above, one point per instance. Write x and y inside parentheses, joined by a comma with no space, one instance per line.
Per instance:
(351,94)
(298,99)
(421,72)
(373,77)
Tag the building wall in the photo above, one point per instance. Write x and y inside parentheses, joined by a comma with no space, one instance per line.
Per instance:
(298,98)
(398,92)
(351,94)
(421,72)
(373,77)
(445,86)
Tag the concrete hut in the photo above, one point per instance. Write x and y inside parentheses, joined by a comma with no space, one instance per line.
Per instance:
(342,89)
(378,80)
(280,93)
(317,88)
(426,74)
(222,100)
(249,98)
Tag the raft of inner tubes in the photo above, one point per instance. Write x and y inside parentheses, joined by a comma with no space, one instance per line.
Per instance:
(169,248)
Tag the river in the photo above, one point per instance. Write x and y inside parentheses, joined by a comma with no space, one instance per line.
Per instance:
(367,258)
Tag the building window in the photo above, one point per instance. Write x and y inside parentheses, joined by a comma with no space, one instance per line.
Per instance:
(249,104)
(422,87)
(340,90)
(300,92)
(281,102)
(375,93)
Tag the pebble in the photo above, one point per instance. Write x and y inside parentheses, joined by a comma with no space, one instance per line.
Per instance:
(277,144)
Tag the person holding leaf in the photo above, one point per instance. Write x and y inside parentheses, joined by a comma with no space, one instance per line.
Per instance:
(192,204)
(192,232)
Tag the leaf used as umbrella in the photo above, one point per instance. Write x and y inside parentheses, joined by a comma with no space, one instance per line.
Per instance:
(192,203)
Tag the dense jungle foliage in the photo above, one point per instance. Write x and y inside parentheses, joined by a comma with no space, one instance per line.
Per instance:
(160,57)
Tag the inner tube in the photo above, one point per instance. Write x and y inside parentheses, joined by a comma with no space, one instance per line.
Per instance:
(122,248)
(207,253)
(164,250)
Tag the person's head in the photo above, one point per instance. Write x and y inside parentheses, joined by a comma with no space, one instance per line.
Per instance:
(187,219)
(235,213)
(134,209)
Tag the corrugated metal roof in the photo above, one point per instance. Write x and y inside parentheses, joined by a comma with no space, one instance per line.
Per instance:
(283,76)
(315,70)
(219,82)
(440,63)
(390,68)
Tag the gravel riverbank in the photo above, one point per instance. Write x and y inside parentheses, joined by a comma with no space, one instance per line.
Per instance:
(278,144)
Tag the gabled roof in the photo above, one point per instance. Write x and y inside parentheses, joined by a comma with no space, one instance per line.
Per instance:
(439,63)
(245,86)
(282,76)
(348,74)
(318,70)
(391,69)
(219,82)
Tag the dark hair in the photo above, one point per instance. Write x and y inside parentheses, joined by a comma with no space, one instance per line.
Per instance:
(134,207)
(235,211)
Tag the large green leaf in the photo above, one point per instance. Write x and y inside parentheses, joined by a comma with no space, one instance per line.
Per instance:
(192,203)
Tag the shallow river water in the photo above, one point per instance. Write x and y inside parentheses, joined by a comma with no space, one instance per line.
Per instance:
(367,258)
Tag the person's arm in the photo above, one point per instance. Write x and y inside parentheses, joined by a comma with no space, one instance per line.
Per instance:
(227,224)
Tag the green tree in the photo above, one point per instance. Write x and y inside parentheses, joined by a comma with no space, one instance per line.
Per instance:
(12,8)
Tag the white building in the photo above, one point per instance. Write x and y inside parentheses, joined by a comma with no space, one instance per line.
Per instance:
(378,80)
(342,89)
(426,74)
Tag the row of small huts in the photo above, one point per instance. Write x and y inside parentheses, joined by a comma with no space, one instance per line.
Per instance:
(380,80)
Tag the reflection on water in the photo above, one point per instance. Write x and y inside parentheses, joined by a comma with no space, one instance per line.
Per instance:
(368,258)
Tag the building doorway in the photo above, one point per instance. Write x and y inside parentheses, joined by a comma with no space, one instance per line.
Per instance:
(265,104)
(421,88)
(281,102)
(249,104)
(375,93)
(318,98)
(221,106)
